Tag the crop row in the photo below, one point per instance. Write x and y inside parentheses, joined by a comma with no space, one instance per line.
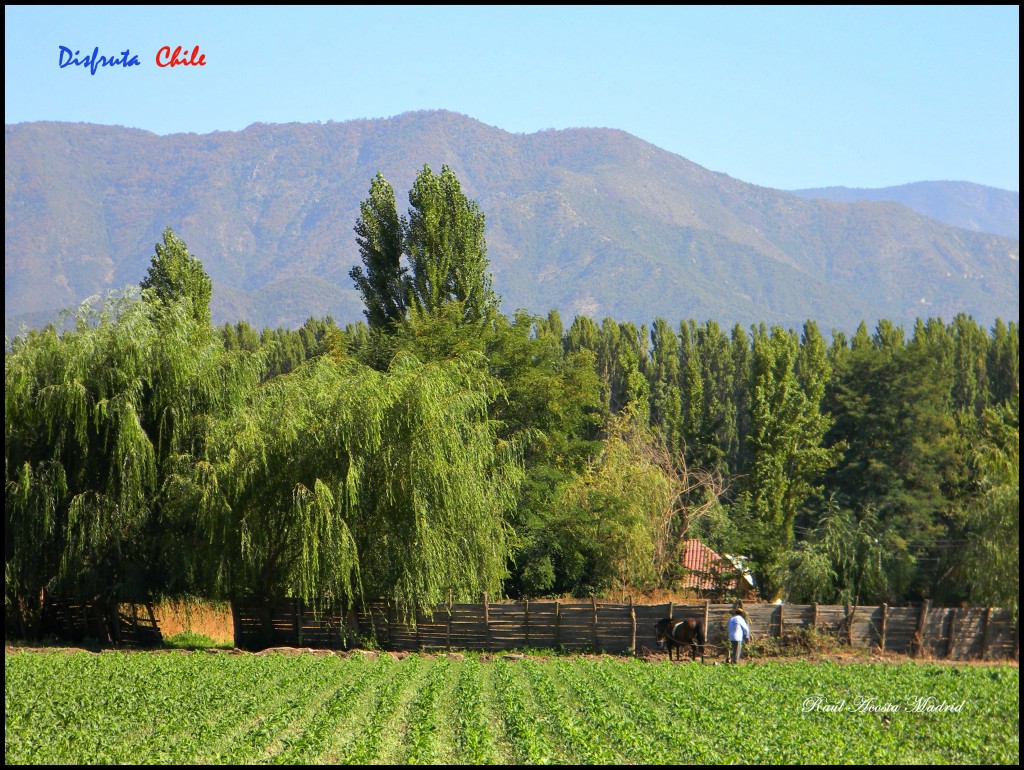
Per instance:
(188,708)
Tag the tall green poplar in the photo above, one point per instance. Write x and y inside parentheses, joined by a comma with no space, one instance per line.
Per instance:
(382,281)
(175,274)
(788,429)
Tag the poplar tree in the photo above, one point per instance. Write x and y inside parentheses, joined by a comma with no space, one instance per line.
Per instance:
(738,459)
(663,374)
(970,378)
(382,281)
(692,391)
(1003,362)
(175,274)
(787,441)
(434,257)
(583,334)
(446,248)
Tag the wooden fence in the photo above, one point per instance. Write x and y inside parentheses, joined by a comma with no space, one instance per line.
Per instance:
(121,624)
(959,634)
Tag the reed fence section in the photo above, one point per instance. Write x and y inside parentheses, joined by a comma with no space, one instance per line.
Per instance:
(945,633)
(124,624)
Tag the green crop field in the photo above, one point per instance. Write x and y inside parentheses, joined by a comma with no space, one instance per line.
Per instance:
(202,707)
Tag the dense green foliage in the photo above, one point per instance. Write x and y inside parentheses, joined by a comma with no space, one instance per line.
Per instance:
(442,241)
(786,441)
(339,475)
(991,562)
(146,454)
(201,708)
(174,274)
(446,449)
(96,418)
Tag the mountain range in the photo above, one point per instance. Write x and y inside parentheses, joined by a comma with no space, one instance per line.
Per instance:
(588,221)
(961,204)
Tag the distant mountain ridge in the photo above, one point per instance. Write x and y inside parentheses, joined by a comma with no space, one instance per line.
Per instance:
(961,204)
(592,221)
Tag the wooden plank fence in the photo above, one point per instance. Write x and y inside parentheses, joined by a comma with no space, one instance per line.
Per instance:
(121,624)
(592,626)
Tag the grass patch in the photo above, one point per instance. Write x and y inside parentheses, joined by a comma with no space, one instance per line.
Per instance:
(190,640)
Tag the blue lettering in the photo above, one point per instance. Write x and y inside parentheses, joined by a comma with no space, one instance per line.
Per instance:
(95,61)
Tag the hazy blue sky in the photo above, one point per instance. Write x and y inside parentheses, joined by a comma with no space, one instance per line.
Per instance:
(785,97)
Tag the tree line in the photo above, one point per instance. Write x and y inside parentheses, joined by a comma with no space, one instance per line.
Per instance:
(443,448)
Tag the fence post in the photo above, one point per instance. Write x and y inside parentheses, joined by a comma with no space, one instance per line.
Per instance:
(671,606)
(851,614)
(416,624)
(984,632)
(368,609)
(116,628)
(487,622)
(780,622)
(297,621)
(236,625)
(135,622)
(373,624)
(558,630)
(952,634)
(917,643)
(593,603)
(152,617)
(632,620)
(391,622)
(448,624)
(885,612)
(814,618)
(527,643)
(707,610)
(355,620)
(108,624)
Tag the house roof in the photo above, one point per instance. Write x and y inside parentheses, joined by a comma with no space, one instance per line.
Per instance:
(707,570)
(702,565)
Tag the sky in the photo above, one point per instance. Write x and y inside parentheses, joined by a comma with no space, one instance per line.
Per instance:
(785,97)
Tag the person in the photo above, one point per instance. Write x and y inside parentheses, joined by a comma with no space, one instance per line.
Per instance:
(738,605)
(738,632)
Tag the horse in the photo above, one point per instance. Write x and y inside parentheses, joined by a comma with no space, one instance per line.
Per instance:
(677,633)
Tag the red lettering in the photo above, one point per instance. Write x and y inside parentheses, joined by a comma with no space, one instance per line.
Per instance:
(165,58)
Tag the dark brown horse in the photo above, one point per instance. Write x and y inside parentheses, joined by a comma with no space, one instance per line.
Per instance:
(680,633)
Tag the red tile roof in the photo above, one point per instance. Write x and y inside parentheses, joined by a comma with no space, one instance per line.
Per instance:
(702,565)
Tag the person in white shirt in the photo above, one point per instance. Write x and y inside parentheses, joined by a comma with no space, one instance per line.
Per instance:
(738,632)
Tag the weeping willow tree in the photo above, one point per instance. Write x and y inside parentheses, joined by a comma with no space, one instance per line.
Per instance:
(337,482)
(991,560)
(441,486)
(846,558)
(94,416)
(607,524)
